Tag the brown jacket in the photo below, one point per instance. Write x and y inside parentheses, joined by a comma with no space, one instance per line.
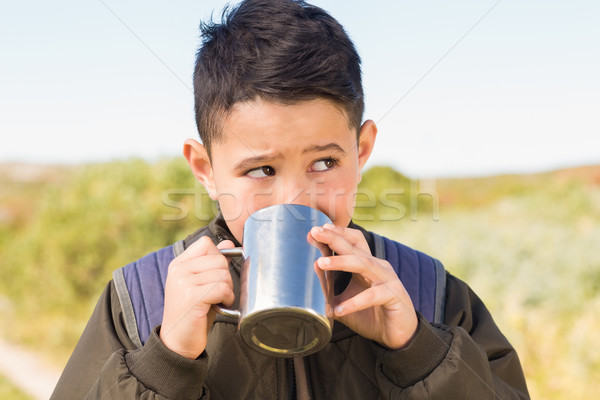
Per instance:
(467,357)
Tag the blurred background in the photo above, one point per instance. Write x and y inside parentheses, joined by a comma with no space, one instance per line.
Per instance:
(488,158)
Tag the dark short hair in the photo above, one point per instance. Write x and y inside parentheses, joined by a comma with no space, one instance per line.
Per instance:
(282,51)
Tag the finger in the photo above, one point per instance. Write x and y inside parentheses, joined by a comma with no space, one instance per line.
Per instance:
(214,249)
(199,264)
(335,240)
(226,244)
(199,248)
(363,300)
(207,277)
(220,292)
(358,263)
(381,295)
(354,236)
(208,287)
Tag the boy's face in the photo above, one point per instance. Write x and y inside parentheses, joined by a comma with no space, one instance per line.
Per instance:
(305,153)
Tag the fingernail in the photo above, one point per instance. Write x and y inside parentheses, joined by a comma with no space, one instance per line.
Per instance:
(329,311)
(339,309)
(328,226)
(317,229)
(324,261)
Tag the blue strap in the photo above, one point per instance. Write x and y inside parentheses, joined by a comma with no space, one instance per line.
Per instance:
(140,287)
(423,277)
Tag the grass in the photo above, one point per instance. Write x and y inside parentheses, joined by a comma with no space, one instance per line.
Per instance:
(10,392)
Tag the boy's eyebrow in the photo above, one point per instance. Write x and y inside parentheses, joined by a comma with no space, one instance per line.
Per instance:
(253,161)
(267,158)
(330,146)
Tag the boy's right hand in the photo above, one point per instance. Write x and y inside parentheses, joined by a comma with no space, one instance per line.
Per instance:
(198,278)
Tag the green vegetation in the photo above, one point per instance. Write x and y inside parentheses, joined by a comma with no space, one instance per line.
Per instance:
(10,392)
(59,250)
(385,195)
(526,244)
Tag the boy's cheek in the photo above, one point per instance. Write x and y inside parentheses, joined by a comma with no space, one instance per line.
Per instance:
(236,209)
(231,206)
(339,207)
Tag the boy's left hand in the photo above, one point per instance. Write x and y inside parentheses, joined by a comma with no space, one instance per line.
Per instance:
(375,304)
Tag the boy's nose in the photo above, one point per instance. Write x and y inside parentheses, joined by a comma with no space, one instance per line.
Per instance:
(298,191)
(296,195)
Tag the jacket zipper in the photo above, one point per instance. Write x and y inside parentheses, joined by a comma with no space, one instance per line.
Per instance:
(291,377)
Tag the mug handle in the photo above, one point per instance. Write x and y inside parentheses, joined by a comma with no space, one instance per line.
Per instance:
(235,314)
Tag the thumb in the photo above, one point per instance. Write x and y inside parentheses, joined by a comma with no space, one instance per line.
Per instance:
(225,244)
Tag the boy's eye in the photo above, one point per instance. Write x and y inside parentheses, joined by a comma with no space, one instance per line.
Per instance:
(261,172)
(323,165)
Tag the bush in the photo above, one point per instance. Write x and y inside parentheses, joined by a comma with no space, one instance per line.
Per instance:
(385,195)
(82,228)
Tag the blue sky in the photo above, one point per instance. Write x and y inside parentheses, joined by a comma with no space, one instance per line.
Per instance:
(456,88)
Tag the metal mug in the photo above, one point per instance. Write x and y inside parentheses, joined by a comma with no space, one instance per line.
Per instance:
(283,300)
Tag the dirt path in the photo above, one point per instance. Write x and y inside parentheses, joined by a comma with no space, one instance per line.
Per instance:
(27,371)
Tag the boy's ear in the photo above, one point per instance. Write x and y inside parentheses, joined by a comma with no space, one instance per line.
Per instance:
(366,141)
(197,157)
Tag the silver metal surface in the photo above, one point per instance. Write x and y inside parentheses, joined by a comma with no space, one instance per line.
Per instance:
(283,300)
(234,252)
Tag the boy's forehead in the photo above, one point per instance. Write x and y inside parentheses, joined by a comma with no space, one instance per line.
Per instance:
(306,121)
(264,127)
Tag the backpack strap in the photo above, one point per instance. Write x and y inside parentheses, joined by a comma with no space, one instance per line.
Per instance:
(423,277)
(141,290)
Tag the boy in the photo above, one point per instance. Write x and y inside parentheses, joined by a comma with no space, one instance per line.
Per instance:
(279,106)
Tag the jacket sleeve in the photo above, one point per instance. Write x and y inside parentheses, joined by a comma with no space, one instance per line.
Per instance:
(106,364)
(466,358)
